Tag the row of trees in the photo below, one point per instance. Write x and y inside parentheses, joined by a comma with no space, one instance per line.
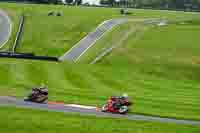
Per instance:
(75,2)
(161,4)
(78,2)
(158,4)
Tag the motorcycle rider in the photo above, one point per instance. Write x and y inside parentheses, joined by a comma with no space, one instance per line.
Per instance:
(118,100)
(43,89)
(40,90)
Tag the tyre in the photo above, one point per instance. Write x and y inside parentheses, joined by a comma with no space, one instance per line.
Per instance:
(104,108)
(41,99)
(45,102)
(26,99)
(123,109)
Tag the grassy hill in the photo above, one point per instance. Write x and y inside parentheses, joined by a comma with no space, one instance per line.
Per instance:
(158,67)
(53,35)
(161,63)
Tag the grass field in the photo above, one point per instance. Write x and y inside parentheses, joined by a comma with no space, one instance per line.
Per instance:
(117,36)
(158,68)
(52,35)
(41,121)
(92,85)
(170,55)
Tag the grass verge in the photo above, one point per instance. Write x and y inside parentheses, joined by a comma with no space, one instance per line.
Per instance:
(41,121)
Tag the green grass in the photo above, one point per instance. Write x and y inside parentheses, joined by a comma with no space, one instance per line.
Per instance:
(92,85)
(107,41)
(113,38)
(158,67)
(33,121)
(52,36)
(174,45)
(169,56)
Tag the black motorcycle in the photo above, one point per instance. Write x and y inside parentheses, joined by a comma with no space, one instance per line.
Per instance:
(38,95)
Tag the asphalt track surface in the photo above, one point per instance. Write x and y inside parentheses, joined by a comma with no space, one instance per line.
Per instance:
(82,46)
(12,101)
(5,28)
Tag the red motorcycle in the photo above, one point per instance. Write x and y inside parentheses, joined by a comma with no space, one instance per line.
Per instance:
(117,105)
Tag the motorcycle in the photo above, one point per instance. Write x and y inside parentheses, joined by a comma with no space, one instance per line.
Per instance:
(38,95)
(117,105)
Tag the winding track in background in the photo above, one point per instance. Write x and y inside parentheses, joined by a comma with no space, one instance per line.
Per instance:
(83,45)
(12,101)
(5,28)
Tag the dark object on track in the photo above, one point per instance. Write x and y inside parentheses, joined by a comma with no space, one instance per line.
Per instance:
(58,14)
(124,12)
(38,95)
(51,13)
(117,105)
(16,54)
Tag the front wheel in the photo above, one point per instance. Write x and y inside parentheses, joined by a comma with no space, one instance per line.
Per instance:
(123,109)
(104,108)
(26,99)
(41,99)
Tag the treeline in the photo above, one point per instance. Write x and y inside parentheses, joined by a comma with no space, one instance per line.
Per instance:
(36,1)
(188,5)
(73,2)
(26,1)
(156,4)
(78,2)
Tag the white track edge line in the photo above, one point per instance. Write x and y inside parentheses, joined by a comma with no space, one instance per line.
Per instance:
(77,44)
(10,27)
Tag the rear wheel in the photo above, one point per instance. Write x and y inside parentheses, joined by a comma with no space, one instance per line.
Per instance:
(45,102)
(41,99)
(104,108)
(123,109)
(26,99)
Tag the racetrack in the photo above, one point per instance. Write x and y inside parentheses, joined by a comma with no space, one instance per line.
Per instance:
(12,101)
(5,28)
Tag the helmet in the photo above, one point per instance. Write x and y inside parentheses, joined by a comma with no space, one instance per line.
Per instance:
(125,95)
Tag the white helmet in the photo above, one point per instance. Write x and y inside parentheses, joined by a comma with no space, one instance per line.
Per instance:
(125,95)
